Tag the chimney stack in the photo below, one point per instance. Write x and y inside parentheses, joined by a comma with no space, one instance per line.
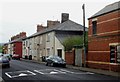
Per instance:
(40,27)
(64,17)
(52,23)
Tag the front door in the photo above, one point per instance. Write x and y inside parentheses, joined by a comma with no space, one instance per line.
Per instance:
(59,52)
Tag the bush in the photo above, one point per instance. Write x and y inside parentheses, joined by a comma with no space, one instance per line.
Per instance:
(69,43)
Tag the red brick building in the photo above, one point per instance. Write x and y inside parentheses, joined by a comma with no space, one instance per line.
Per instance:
(16,44)
(104,38)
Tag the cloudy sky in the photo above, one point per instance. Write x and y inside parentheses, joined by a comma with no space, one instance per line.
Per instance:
(23,15)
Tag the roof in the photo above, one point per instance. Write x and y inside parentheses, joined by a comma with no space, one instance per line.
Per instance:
(65,26)
(107,9)
(17,40)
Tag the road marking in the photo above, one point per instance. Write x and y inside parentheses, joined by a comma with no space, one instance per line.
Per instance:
(76,72)
(66,71)
(8,75)
(50,71)
(53,72)
(31,72)
(38,71)
(22,74)
(59,71)
(19,73)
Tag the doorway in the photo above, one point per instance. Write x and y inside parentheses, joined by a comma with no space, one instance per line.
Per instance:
(59,52)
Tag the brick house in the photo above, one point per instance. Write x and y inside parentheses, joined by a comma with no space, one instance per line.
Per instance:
(104,38)
(15,45)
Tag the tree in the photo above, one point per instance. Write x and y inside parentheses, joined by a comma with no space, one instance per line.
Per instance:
(70,42)
(1,49)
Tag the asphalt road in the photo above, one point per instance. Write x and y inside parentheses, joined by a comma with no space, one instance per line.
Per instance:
(35,72)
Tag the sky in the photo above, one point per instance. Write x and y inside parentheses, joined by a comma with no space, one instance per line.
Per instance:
(23,15)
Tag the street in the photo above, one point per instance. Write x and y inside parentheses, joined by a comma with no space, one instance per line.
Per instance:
(29,71)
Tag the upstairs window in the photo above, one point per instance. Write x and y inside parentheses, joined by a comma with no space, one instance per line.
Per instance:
(40,39)
(48,37)
(48,51)
(94,27)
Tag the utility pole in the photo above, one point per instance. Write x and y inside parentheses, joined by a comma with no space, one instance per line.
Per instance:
(83,7)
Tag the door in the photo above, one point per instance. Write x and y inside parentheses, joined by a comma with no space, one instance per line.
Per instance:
(78,57)
(59,52)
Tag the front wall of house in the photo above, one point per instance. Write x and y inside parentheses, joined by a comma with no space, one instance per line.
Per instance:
(108,32)
(106,23)
(9,48)
(58,46)
(50,44)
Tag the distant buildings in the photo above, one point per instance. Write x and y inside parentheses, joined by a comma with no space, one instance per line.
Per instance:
(15,45)
(104,38)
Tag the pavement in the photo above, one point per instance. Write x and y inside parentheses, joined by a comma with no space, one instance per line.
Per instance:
(98,71)
(1,80)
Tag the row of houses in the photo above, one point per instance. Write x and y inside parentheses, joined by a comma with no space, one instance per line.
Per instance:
(48,40)
(103,39)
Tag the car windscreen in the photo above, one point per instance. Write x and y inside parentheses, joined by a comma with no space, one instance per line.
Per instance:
(58,58)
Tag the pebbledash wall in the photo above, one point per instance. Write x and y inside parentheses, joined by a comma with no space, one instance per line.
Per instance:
(99,44)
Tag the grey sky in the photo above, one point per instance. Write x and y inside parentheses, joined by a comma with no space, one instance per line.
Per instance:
(23,15)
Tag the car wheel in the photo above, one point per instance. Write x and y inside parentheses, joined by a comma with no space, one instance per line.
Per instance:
(64,66)
(46,64)
(52,64)
(8,66)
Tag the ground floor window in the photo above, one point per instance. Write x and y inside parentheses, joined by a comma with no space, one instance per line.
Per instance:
(112,54)
(118,54)
(48,51)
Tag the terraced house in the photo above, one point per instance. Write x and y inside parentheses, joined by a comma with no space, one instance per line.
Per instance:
(48,41)
(104,38)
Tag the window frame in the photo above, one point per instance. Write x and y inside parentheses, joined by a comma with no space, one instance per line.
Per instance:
(94,27)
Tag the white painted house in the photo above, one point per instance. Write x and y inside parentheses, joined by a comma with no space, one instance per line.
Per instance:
(49,41)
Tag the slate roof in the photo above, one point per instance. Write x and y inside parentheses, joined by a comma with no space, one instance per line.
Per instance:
(65,26)
(17,40)
(107,9)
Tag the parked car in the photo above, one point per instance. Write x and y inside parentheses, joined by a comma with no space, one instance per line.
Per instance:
(16,56)
(0,54)
(4,61)
(55,61)
(8,56)
(44,58)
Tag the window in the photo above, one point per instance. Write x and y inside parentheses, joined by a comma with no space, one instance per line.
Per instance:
(26,43)
(48,51)
(118,54)
(41,40)
(112,54)
(94,27)
(48,37)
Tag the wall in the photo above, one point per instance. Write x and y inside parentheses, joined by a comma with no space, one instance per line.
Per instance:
(98,45)
(70,57)
(58,45)
(18,48)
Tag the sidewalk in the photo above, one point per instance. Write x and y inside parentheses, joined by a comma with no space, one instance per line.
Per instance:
(1,80)
(99,71)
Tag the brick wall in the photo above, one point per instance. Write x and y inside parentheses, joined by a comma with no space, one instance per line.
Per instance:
(18,48)
(20,35)
(108,31)
(40,28)
(69,57)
